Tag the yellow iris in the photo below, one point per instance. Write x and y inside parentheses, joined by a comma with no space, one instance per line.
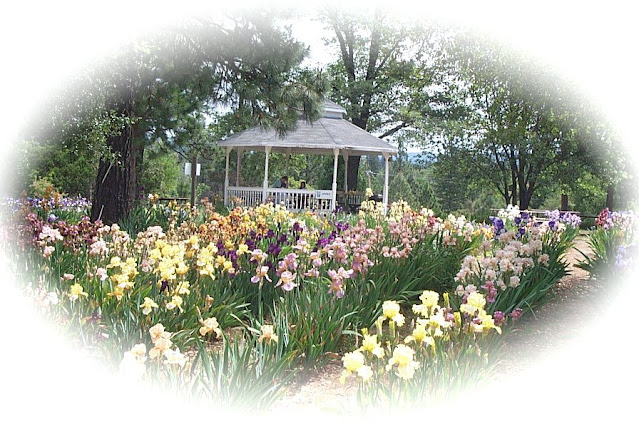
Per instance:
(371,345)
(148,305)
(429,298)
(181,268)
(76,292)
(353,361)
(474,302)
(419,335)
(210,325)
(403,358)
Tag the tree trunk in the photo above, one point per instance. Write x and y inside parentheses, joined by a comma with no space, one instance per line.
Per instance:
(138,155)
(513,194)
(524,200)
(354,160)
(115,184)
(610,197)
(353,169)
(514,185)
(506,196)
(525,196)
(564,202)
(193,180)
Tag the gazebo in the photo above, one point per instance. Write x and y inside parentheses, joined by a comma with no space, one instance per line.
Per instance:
(330,134)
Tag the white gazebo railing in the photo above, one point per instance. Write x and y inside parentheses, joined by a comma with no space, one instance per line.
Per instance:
(293,199)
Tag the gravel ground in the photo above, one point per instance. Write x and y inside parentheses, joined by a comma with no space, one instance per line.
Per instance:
(559,322)
(576,300)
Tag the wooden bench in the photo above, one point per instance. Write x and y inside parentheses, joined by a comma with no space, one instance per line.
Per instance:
(539,215)
(177,200)
(351,201)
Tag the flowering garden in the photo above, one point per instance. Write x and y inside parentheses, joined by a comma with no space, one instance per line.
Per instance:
(231,307)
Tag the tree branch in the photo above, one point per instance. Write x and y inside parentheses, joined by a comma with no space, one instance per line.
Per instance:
(395,129)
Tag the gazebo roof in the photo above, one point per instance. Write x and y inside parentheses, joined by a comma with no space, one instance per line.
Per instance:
(329,132)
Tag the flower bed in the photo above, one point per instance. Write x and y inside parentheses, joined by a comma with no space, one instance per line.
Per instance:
(614,245)
(229,307)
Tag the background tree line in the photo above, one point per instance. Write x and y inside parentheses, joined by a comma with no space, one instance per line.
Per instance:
(494,127)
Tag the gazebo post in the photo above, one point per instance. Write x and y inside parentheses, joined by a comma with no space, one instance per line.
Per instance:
(238,167)
(267,150)
(385,194)
(226,177)
(334,197)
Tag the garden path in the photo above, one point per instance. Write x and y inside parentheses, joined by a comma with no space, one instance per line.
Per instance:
(551,327)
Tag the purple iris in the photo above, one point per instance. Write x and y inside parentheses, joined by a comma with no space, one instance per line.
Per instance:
(516,314)
(498,225)
(273,249)
(250,244)
(322,242)
(165,286)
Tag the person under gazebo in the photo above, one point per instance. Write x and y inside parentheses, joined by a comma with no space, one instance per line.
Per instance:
(281,182)
(302,200)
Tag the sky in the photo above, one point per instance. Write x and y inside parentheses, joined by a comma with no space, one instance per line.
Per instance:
(311,32)
(43,42)
(591,44)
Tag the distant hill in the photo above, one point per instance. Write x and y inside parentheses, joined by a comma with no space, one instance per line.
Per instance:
(417,158)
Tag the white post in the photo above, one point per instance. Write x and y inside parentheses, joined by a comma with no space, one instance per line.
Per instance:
(267,150)
(385,195)
(334,197)
(238,167)
(226,177)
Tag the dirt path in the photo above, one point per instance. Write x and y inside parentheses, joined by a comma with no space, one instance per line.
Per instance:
(551,327)
(559,322)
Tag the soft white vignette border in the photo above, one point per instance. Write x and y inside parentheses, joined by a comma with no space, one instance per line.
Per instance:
(591,43)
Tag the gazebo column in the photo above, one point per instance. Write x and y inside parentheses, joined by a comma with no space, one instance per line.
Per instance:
(267,150)
(238,167)
(334,197)
(226,177)
(385,194)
